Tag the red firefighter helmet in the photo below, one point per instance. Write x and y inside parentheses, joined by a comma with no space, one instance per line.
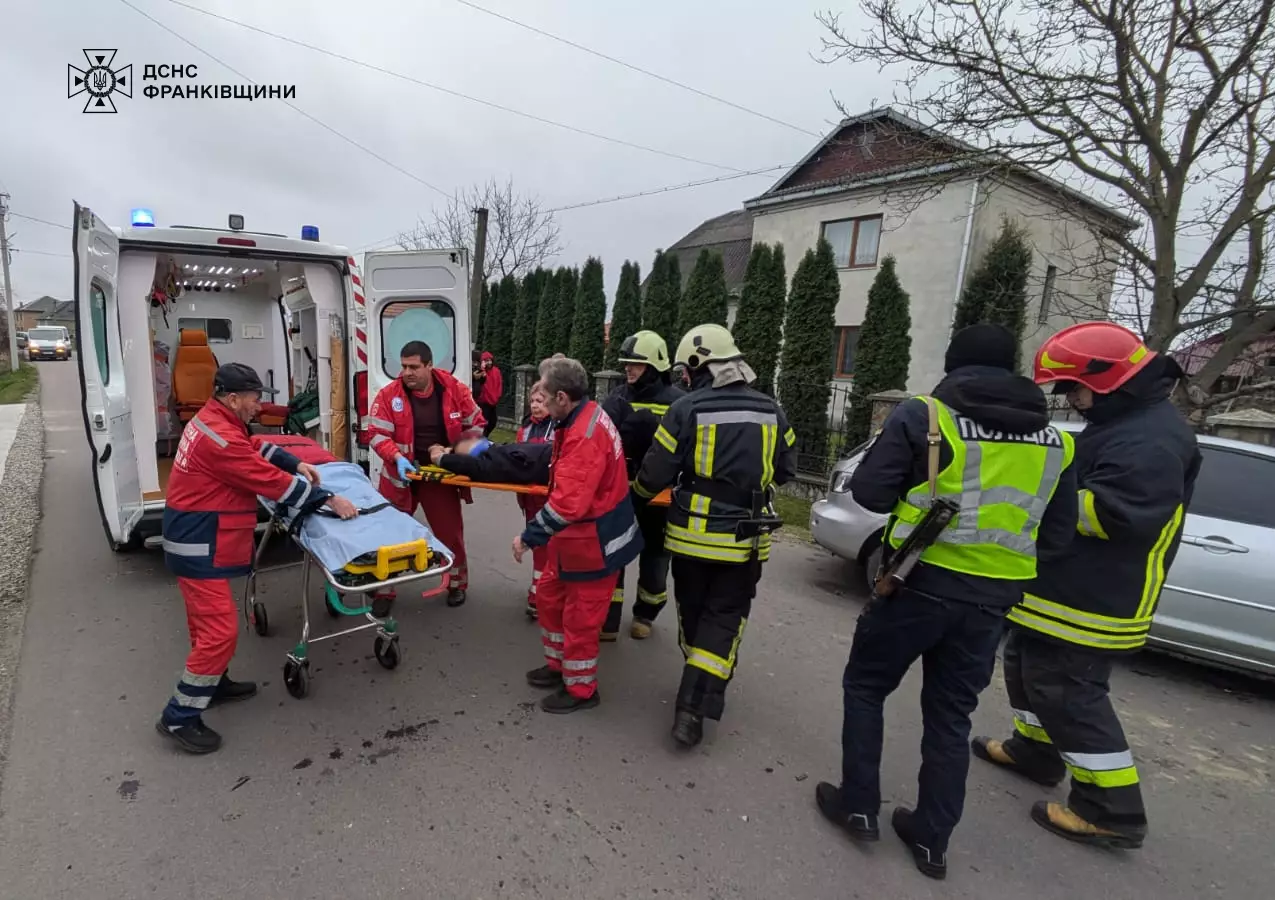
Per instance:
(1100,355)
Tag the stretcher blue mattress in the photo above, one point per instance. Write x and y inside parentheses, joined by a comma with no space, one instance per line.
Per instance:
(336,542)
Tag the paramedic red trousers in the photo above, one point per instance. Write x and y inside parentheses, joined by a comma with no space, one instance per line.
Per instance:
(213,619)
(571,615)
(442,506)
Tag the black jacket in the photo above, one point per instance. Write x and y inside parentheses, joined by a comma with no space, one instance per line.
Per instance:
(526,463)
(636,410)
(1139,458)
(896,463)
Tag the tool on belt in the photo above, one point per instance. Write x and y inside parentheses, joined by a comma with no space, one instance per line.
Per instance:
(941,512)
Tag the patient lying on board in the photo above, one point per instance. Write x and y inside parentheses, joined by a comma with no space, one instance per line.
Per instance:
(478,459)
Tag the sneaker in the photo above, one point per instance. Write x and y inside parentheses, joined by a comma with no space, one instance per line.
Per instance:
(641,629)
(860,826)
(688,728)
(1058,819)
(544,677)
(229,691)
(562,702)
(193,737)
(993,751)
(928,862)
(456,597)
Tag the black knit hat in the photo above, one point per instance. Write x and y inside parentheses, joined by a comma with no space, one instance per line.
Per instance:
(981,345)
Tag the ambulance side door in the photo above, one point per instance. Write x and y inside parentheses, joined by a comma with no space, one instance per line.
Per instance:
(108,415)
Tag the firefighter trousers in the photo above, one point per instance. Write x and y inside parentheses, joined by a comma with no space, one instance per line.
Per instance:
(653,569)
(713,603)
(956,643)
(213,619)
(571,615)
(1064,722)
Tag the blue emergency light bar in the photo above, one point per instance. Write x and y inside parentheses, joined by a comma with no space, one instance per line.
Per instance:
(143,218)
(309,232)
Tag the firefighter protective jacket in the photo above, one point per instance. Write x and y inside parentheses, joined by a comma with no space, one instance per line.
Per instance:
(636,410)
(211,504)
(721,444)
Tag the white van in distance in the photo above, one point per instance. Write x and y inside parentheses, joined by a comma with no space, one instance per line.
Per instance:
(159,308)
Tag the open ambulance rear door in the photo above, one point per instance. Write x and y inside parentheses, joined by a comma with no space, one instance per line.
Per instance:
(108,414)
(415,295)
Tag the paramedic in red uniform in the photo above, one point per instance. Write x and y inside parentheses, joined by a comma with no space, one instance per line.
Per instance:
(209,517)
(589,526)
(422,407)
(493,386)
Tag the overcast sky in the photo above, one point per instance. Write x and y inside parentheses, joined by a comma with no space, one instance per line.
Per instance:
(195,161)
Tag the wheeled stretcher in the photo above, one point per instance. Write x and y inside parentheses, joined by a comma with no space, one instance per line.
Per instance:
(380,548)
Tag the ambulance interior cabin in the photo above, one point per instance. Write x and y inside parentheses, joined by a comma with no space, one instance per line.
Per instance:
(208,309)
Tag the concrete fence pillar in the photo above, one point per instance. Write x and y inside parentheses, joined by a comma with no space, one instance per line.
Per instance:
(605,382)
(883,403)
(524,377)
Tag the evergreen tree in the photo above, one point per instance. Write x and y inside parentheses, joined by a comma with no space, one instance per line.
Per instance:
(500,327)
(805,376)
(566,311)
(884,350)
(547,316)
(760,320)
(706,296)
(523,345)
(663,293)
(626,314)
(588,331)
(997,291)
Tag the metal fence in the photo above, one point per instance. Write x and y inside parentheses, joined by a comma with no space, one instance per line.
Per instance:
(819,449)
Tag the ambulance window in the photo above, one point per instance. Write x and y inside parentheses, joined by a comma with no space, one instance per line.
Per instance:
(219,331)
(431,321)
(97,316)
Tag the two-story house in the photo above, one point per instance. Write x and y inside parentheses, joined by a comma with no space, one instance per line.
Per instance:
(882,183)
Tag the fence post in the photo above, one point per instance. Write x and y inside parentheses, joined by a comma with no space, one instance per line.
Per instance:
(604,382)
(524,377)
(883,403)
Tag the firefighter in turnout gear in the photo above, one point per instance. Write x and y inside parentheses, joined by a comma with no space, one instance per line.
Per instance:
(726,446)
(636,407)
(1136,464)
(982,443)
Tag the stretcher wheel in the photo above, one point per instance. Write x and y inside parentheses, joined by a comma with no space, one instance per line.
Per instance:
(260,621)
(296,677)
(387,652)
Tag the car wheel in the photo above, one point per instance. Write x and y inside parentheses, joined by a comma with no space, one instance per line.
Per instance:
(871,566)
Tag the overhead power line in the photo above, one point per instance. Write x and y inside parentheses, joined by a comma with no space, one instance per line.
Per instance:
(40,221)
(38,252)
(636,68)
(326,127)
(445,90)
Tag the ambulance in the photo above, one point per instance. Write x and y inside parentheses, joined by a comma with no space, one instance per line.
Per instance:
(159,308)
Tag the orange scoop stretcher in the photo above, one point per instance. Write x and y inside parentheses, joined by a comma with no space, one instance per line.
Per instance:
(435,473)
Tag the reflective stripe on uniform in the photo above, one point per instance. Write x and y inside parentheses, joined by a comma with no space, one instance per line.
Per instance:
(578,679)
(579,665)
(736,417)
(658,409)
(698,519)
(1026,724)
(179,549)
(652,599)
(208,432)
(1104,770)
(665,439)
(1155,565)
(296,494)
(268,450)
(713,547)
(705,448)
(1087,523)
(549,520)
(593,421)
(1077,627)
(722,667)
(790,437)
(377,440)
(374,422)
(615,545)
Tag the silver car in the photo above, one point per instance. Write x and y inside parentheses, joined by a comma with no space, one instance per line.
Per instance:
(1218,603)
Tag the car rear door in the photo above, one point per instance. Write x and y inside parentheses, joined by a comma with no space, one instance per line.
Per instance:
(108,417)
(1218,598)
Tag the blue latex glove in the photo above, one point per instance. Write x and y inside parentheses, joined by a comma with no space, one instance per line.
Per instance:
(404,466)
(481,446)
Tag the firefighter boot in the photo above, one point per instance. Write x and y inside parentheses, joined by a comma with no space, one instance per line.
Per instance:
(641,629)
(544,677)
(927,861)
(993,751)
(688,728)
(562,702)
(1060,820)
(611,627)
(229,691)
(193,737)
(860,826)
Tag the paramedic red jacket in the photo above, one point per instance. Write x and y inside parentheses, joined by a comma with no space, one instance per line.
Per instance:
(211,506)
(391,431)
(493,385)
(588,519)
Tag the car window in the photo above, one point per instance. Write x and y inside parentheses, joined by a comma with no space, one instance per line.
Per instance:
(1236,486)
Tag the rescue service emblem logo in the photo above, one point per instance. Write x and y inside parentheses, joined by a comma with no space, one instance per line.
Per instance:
(100,81)
(397,403)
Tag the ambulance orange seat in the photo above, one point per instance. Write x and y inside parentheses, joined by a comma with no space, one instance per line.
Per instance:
(273,415)
(194,368)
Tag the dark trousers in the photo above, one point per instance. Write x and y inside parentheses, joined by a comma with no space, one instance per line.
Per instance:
(489,413)
(653,569)
(713,602)
(956,643)
(1064,721)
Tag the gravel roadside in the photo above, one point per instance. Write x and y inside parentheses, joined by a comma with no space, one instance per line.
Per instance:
(19,519)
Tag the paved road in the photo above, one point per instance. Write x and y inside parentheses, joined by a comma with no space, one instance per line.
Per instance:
(441,780)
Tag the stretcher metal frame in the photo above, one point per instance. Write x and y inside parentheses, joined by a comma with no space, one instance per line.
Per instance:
(296,668)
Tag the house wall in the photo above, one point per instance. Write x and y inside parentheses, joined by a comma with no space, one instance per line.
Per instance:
(925,239)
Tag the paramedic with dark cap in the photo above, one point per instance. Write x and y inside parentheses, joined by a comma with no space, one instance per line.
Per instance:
(209,519)
(1009,471)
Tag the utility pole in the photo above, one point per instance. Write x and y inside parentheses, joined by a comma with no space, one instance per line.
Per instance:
(476,280)
(8,289)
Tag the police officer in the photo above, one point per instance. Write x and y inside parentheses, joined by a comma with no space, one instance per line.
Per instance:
(727,445)
(1010,472)
(1136,464)
(636,407)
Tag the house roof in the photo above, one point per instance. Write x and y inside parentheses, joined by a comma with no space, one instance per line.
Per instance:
(50,308)
(1250,361)
(730,234)
(852,155)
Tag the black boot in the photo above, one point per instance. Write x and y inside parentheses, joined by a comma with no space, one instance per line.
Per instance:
(544,677)
(929,862)
(456,597)
(229,691)
(382,604)
(688,728)
(562,702)
(860,826)
(193,737)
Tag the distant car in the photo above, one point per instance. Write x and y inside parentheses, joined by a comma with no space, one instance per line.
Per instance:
(1218,603)
(48,342)
(22,340)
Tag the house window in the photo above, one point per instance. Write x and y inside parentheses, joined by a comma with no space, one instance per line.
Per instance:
(847,344)
(854,241)
(1047,295)
(219,331)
